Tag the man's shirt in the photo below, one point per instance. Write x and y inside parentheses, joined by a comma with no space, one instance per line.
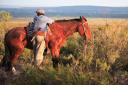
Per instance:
(41,22)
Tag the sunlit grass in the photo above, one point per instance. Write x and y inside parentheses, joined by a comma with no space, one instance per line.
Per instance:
(102,65)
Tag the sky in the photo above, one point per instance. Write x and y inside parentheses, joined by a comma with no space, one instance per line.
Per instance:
(57,3)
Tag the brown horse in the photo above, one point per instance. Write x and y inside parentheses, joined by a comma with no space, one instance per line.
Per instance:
(16,39)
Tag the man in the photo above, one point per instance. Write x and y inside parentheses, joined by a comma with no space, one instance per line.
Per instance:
(40,29)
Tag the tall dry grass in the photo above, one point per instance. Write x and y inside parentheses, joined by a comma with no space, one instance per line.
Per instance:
(105,64)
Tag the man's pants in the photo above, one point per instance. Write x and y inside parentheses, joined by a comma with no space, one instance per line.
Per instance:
(39,47)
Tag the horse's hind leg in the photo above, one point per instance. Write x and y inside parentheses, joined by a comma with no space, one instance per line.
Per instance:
(16,53)
(13,60)
(10,60)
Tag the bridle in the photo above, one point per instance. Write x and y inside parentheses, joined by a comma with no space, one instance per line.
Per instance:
(83,23)
(83,26)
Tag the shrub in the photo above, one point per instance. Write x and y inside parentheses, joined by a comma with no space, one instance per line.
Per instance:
(5,16)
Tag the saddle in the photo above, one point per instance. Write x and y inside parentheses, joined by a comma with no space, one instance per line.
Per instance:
(30,29)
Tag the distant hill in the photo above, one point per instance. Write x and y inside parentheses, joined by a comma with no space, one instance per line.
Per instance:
(88,11)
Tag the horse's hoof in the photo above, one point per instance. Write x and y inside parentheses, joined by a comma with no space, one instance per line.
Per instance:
(15,72)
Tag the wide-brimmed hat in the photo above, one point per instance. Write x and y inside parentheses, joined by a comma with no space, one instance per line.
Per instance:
(40,11)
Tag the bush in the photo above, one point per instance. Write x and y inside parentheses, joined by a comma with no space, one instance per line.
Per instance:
(5,16)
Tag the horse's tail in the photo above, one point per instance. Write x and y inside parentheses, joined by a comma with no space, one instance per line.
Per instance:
(5,61)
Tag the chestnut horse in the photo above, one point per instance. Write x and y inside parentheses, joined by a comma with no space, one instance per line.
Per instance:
(16,39)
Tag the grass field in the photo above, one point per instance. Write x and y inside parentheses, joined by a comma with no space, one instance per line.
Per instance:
(105,64)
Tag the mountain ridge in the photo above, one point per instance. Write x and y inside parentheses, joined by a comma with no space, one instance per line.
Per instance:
(88,11)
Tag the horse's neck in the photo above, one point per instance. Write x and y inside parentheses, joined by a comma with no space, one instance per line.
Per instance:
(71,30)
(68,27)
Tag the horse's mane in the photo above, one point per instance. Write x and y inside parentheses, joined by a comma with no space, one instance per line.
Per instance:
(65,20)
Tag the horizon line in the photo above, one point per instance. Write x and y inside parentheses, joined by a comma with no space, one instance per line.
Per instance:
(14,6)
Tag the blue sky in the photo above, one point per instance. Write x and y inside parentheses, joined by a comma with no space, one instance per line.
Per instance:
(56,3)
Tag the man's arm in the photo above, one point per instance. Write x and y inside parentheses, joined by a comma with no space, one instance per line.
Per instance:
(49,20)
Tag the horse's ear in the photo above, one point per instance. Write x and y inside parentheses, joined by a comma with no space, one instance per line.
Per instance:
(84,18)
(80,18)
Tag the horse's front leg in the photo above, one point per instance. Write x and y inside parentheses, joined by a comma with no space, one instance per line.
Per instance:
(55,50)
(55,57)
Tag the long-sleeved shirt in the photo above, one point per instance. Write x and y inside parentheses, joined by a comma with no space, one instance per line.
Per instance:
(41,22)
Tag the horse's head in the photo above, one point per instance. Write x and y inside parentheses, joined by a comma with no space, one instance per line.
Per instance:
(84,30)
